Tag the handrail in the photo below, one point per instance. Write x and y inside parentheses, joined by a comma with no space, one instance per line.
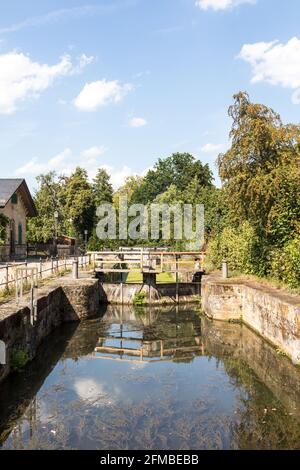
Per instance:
(53,265)
(146,252)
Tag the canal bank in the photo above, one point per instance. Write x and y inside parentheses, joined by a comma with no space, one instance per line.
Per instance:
(271,312)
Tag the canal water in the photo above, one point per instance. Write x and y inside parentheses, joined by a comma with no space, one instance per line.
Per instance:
(139,378)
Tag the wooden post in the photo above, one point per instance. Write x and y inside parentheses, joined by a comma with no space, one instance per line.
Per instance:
(26,273)
(142,261)
(122,293)
(41,268)
(7,276)
(177,286)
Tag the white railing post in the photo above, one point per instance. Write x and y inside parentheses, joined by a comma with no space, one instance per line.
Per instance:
(75,269)
(225,269)
(7,276)
(2,353)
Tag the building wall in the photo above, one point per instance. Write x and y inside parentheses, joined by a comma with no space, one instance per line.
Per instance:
(16,212)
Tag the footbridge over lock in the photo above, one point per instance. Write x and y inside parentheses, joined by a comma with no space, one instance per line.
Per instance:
(156,276)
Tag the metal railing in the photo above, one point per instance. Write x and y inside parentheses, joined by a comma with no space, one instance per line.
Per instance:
(148,261)
(45,268)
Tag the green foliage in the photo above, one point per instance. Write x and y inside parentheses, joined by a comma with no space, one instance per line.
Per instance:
(131,185)
(41,229)
(19,358)
(285,263)
(262,164)
(259,224)
(292,263)
(177,179)
(139,298)
(237,246)
(78,201)
(102,188)
(74,198)
(178,170)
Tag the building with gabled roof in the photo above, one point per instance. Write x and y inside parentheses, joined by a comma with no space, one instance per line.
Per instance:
(17,205)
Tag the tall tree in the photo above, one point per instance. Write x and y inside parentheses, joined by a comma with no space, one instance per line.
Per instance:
(47,198)
(261,167)
(102,188)
(78,201)
(132,183)
(178,169)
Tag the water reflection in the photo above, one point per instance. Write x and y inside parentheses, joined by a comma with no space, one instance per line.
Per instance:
(153,379)
(150,336)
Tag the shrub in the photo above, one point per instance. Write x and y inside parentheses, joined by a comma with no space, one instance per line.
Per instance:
(139,298)
(19,359)
(291,263)
(237,246)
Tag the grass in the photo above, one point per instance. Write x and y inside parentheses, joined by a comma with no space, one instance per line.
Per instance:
(162,278)
(266,281)
(139,298)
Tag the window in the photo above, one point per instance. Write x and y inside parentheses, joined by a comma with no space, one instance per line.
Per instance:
(20,234)
(14,199)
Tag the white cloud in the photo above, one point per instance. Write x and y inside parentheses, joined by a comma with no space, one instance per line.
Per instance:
(59,160)
(137,122)
(62,163)
(22,78)
(118,176)
(88,389)
(85,60)
(212,148)
(66,161)
(101,93)
(296,97)
(275,63)
(220,4)
(94,152)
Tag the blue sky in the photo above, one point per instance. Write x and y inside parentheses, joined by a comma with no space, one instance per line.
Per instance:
(119,83)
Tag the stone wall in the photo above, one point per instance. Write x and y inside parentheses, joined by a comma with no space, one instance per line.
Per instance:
(270,312)
(63,300)
(228,341)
